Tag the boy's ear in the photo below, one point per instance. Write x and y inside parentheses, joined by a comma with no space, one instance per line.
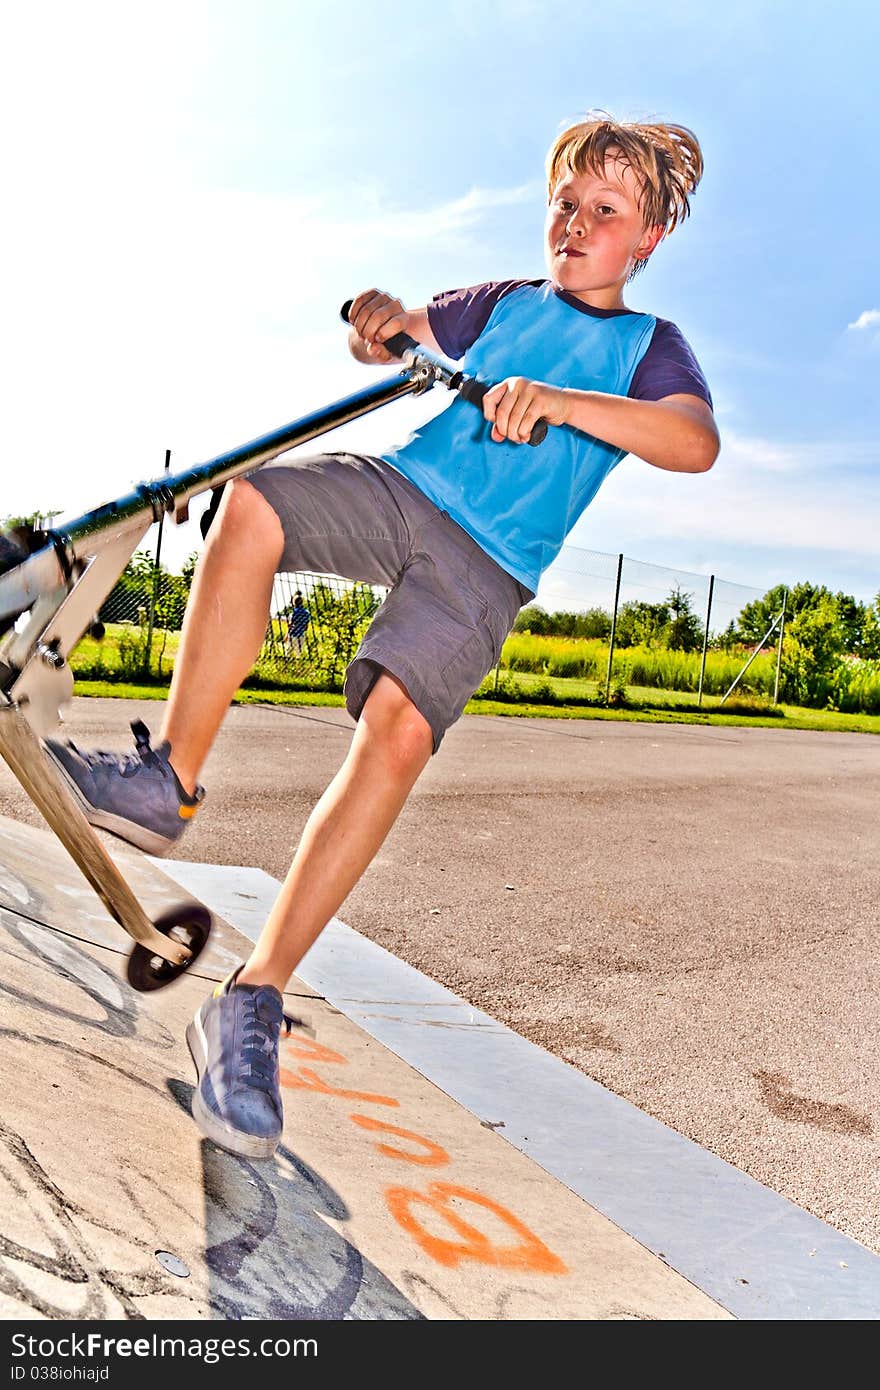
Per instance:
(649,242)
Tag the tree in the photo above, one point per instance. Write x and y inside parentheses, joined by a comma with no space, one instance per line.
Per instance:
(728,639)
(594,622)
(131,594)
(341,621)
(815,641)
(35,521)
(533,619)
(856,622)
(685,631)
(871,631)
(642,624)
(757,616)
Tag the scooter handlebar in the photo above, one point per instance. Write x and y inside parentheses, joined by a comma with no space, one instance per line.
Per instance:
(397,346)
(469,387)
(474,391)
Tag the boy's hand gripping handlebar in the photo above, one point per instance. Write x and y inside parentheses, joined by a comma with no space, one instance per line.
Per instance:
(420,362)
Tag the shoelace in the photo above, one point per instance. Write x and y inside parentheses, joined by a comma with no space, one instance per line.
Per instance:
(260,1044)
(127,764)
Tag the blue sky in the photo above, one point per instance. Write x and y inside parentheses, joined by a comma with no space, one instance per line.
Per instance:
(192,190)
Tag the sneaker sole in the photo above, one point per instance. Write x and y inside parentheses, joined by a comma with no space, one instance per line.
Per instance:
(235,1141)
(150,841)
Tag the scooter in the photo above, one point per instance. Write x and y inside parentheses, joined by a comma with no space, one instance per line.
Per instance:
(53,582)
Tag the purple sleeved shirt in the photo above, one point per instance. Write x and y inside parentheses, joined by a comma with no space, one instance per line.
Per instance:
(668,368)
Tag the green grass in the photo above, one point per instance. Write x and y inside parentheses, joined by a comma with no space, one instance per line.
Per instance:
(326,698)
(659,668)
(647,703)
(665,712)
(791,716)
(124,690)
(116,654)
(573,688)
(571,696)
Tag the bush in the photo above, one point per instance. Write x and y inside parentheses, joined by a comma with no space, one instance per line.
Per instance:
(595,622)
(855,686)
(812,649)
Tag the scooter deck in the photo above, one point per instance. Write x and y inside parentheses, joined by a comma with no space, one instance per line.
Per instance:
(21,750)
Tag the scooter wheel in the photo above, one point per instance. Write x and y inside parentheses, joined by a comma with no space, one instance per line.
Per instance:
(189,923)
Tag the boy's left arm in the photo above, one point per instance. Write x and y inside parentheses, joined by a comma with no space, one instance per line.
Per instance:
(677,433)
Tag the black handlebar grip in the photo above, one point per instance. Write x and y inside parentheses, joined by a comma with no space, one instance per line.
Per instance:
(397,346)
(474,391)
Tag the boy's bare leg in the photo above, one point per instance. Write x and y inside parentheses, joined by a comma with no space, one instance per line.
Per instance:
(225,624)
(233,1037)
(391,745)
(223,631)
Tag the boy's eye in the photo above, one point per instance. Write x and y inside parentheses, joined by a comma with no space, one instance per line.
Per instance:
(607,210)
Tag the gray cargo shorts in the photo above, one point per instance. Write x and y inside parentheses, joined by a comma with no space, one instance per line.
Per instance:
(442,625)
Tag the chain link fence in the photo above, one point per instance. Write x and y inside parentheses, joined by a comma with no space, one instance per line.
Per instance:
(604,625)
(580,580)
(641,627)
(317,623)
(605,629)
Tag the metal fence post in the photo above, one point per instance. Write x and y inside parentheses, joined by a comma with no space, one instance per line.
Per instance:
(706,637)
(154,597)
(613,627)
(779,650)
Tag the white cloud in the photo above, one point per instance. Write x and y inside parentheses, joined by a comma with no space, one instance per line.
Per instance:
(450,219)
(867,321)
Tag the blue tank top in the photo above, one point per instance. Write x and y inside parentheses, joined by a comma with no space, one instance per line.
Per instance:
(518,502)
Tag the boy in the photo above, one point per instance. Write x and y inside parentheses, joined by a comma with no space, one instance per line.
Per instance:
(297,623)
(459,522)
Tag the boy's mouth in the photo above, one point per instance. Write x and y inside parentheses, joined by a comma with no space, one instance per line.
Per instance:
(569,251)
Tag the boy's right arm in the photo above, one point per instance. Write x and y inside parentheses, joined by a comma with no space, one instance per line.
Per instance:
(376,316)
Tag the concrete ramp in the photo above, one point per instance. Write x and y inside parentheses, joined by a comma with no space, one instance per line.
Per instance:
(386,1200)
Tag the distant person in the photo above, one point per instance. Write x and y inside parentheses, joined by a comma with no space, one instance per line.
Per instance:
(460,522)
(297,623)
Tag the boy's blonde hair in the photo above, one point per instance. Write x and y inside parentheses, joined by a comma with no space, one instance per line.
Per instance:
(666,159)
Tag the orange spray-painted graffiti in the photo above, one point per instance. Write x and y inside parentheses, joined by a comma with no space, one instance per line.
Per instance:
(307,1080)
(434,1156)
(526,1253)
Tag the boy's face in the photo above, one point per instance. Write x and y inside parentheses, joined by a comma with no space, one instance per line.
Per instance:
(594,233)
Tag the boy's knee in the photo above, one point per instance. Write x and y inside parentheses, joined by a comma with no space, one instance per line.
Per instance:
(392,720)
(245,514)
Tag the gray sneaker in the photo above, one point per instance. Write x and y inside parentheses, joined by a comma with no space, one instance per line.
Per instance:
(137,796)
(234,1044)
